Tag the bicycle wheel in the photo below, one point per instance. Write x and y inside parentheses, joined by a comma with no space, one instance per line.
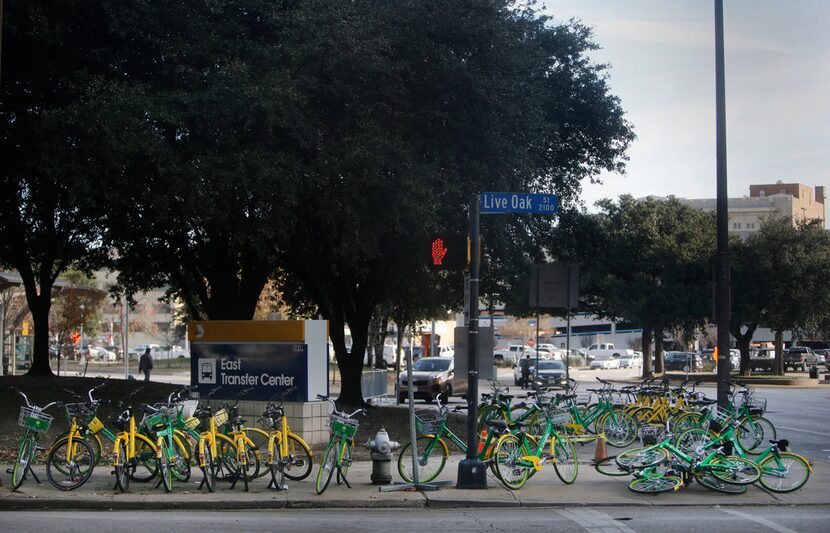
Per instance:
(244,469)
(694,440)
(122,473)
(711,482)
(735,470)
(639,458)
(165,468)
(643,414)
(226,462)
(754,432)
(785,473)
(260,439)
(298,462)
(432,456)
(485,414)
(277,468)
(25,454)
(621,432)
(657,485)
(209,468)
(146,463)
(684,422)
(69,469)
(327,466)
(565,461)
(508,453)
(345,463)
(90,438)
(609,467)
(180,459)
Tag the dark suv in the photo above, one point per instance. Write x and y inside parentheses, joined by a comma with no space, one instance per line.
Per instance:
(800,358)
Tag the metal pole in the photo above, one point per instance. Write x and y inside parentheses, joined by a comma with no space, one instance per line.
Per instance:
(471,471)
(432,340)
(126,337)
(410,393)
(568,332)
(538,276)
(722,289)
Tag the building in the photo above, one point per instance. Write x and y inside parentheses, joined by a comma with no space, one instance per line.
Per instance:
(794,200)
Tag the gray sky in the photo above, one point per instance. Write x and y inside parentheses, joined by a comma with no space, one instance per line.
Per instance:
(661,54)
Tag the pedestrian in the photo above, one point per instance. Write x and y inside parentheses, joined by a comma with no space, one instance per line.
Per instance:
(526,370)
(145,364)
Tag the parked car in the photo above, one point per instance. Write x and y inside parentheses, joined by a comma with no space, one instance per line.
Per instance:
(632,360)
(101,353)
(822,355)
(604,362)
(430,376)
(681,360)
(551,374)
(799,358)
(603,349)
(511,355)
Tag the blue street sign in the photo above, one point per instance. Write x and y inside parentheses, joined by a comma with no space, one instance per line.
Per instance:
(519,203)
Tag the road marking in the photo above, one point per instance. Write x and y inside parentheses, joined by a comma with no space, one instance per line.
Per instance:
(759,520)
(594,521)
(805,431)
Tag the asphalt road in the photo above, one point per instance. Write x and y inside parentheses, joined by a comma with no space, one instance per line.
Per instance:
(604,519)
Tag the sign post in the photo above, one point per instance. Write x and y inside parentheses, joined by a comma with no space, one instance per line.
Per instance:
(472,473)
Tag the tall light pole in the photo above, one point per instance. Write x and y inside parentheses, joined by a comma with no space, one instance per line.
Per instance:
(82,306)
(722,289)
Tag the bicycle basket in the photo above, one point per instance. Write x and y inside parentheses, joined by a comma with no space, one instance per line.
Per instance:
(163,417)
(429,421)
(220,417)
(192,422)
(346,427)
(650,434)
(79,411)
(558,416)
(756,406)
(35,419)
(719,419)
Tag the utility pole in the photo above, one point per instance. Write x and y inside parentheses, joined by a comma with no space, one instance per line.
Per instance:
(722,289)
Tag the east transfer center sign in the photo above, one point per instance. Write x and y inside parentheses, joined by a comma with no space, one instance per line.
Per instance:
(270,357)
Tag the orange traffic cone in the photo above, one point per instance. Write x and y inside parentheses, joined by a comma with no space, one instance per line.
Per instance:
(601,451)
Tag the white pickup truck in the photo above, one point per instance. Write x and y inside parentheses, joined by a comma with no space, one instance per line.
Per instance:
(511,355)
(605,350)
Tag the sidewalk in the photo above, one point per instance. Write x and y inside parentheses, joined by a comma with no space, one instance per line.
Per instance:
(543,490)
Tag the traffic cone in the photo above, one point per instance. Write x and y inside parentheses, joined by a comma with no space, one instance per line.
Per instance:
(601,451)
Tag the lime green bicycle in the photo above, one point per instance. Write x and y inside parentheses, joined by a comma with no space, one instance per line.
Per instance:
(338,455)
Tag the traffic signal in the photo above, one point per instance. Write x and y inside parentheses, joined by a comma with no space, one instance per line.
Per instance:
(75,337)
(449,252)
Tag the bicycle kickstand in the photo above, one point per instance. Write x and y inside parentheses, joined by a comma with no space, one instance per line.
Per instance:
(34,475)
(343,477)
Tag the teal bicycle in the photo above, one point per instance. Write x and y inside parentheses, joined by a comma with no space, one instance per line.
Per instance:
(654,472)
(517,456)
(338,455)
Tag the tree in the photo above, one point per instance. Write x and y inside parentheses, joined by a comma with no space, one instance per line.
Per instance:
(791,262)
(50,172)
(644,261)
(205,92)
(425,104)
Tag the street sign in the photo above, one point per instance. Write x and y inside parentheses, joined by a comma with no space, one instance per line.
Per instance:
(519,203)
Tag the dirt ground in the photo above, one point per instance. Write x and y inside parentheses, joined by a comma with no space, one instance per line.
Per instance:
(42,390)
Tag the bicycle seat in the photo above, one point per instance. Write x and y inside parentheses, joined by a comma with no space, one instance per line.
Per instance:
(566,396)
(498,426)
(703,401)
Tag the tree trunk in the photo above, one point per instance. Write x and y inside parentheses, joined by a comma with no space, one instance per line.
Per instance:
(380,339)
(40,317)
(658,351)
(778,367)
(743,340)
(646,353)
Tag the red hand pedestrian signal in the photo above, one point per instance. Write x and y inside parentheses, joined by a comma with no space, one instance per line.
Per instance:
(75,337)
(438,252)
(448,252)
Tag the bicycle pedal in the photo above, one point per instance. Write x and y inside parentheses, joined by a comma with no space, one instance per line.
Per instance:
(10,470)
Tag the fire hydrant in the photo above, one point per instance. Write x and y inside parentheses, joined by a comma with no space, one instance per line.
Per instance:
(381,448)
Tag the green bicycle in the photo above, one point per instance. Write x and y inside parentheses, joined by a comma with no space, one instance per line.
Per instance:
(338,455)
(651,477)
(432,448)
(781,471)
(619,427)
(517,456)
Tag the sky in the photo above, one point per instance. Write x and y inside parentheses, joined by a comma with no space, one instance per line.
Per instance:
(662,58)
